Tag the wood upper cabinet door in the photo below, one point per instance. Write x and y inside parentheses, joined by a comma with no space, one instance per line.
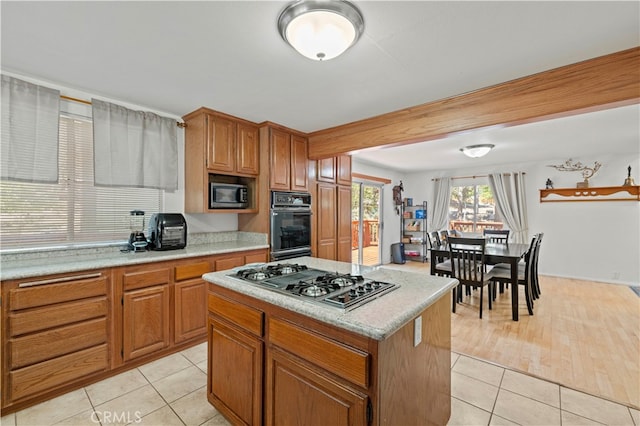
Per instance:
(327,170)
(145,321)
(221,140)
(344,224)
(343,170)
(235,366)
(280,152)
(318,399)
(248,150)
(326,213)
(299,164)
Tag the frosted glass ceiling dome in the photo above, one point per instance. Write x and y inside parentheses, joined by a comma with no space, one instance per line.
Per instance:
(321,30)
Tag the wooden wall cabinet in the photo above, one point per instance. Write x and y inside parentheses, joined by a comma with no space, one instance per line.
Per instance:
(335,170)
(327,221)
(333,208)
(289,165)
(55,332)
(219,147)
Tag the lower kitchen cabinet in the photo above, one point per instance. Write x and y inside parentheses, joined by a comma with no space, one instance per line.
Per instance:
(235,362)
(318,374)
(317,398)
(190,295)
(57,332)
(64,331)
(145,321)
(145,310)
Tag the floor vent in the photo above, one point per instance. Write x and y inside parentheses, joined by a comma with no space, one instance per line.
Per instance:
(635,289)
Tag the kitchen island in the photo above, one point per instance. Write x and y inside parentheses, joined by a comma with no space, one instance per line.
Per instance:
(277,359)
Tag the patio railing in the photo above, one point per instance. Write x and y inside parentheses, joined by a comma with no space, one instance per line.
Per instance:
(370,233)
(467,226)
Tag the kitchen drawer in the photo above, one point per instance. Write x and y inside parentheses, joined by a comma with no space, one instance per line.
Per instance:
(248,318)
(228,263)
(58,371)
(31,294)
(256,258)
(348,363)
(145,278)
(45,345)
(193,270)
(48,317)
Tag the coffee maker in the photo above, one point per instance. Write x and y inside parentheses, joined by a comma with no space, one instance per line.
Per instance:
(137,240)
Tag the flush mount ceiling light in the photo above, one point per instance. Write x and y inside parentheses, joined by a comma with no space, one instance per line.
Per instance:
(321,29)
(476,151)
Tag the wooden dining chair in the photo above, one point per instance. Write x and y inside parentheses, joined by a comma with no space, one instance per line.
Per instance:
(499,236)
(501,273)
(468,267)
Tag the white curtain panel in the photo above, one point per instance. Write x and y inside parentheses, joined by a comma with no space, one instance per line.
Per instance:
(508,189)
(30,117)
(133,148)
(440,210)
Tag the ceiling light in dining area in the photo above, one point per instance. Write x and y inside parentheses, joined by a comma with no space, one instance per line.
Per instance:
(321,29)
(477,151)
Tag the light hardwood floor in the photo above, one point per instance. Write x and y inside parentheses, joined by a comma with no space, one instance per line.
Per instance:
(583,335)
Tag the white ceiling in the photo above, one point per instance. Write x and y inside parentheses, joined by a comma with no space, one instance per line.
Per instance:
(175,56)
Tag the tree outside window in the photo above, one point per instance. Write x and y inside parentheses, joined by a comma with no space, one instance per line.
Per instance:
(473,209)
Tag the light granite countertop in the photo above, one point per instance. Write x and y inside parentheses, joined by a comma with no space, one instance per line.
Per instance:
(39,263)
(377,319)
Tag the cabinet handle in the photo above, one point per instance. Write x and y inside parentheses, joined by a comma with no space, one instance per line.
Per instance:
(59,280)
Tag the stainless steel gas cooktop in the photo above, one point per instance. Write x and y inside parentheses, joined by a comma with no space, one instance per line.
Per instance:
(345,291)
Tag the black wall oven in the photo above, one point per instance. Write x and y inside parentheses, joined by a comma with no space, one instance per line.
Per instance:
(290,225)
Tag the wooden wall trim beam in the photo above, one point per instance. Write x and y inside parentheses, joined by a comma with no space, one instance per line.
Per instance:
(600,83)
(370,178)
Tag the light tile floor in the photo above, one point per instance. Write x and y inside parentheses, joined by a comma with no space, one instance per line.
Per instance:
(172,391)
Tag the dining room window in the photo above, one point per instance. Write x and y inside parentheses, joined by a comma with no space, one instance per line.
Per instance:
(472,208)
(73,210)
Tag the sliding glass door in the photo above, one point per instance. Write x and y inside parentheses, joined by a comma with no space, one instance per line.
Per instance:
(366,214)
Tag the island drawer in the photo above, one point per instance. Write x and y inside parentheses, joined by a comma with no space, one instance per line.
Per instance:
(346,362)
(243,316)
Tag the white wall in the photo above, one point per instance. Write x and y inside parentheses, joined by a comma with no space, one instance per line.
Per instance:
(597,241)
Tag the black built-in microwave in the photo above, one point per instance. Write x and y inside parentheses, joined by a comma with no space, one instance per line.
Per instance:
(228,196)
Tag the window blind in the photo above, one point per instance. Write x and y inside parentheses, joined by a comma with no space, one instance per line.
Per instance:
(73,210)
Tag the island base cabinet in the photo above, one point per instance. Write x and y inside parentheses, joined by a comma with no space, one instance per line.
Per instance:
(300,395)
(234,383)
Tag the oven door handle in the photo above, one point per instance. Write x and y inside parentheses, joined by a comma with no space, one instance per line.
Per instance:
(299,213)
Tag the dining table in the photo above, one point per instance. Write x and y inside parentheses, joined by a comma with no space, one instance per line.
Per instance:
(494,253)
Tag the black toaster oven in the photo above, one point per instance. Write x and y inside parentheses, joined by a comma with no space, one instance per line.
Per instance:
(167,231)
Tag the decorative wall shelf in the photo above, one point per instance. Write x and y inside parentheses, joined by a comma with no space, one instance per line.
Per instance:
(603,193)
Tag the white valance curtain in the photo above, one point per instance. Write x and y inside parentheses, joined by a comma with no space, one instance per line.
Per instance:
(440,210)
(134,148)
(509,192)
(30,120)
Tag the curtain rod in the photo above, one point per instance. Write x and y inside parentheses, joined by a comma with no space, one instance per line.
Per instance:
(474,176)
(82,101)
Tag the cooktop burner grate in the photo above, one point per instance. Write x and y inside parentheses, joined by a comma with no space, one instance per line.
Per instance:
(344,291)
